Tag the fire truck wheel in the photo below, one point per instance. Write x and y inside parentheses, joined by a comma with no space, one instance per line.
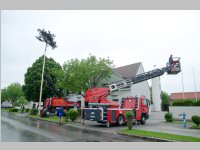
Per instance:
(120,120)
(107,124)
(143,120)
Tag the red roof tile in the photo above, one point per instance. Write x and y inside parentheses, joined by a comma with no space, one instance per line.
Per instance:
(187,95)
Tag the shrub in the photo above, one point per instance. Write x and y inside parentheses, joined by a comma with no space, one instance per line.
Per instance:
(73,114)
(13,110)
(196,120)
(129,116)
(169,117)
(197,103)
(27,110)
(187,102)
(34,111)
(10,109)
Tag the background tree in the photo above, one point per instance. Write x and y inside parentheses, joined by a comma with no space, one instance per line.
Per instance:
(79,75)
(165,101)
(22,102)
(12,93)
(48,39)
(4,95)
(53,75)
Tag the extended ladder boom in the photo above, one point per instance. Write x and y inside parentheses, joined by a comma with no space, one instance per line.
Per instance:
(173,67)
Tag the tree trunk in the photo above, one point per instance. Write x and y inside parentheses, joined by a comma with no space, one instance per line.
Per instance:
(42,78)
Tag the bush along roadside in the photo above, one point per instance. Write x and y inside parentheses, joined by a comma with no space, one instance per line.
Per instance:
(73,114)
(186,103)
(169,117)
(129,116)
(13,109)
(196,120)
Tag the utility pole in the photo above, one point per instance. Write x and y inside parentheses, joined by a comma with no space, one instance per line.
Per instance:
(194,85)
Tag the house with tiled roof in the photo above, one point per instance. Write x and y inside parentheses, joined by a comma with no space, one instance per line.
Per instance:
(185,95)
(125,72)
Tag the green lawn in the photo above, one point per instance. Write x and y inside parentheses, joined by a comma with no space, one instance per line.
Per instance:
(160,135)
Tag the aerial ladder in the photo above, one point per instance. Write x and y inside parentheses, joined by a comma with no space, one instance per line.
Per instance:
(173,67)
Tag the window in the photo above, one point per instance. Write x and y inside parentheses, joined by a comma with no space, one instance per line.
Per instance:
(115,100)
(145,102)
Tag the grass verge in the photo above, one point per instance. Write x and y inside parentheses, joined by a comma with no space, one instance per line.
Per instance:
(160,135)
(195,127)
(52,118)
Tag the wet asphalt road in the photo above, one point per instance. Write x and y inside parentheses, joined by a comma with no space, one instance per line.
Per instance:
(23,129)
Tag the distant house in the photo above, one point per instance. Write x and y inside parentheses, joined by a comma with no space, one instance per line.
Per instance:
(125,72)
(6,104)
(185,95)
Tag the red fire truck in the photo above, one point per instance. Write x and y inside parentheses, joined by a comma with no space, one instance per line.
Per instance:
(51,104)
(99,108)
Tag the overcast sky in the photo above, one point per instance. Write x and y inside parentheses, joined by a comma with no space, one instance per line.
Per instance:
(125,36)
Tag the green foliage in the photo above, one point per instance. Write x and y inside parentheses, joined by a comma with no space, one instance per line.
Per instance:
(13,110)
(73,114)
(196,120)
(129,115)
(188,102)
(27,110)
(34,112)
(13,92)
(165,97)
(22,101)
(79,75)
(4,95)
(169,117)
(196,103)
(165,101)
(53,75)
(46,37)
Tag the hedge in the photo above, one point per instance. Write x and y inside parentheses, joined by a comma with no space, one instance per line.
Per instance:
(169,117)
(196,120)
(186,103)
(13,109)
